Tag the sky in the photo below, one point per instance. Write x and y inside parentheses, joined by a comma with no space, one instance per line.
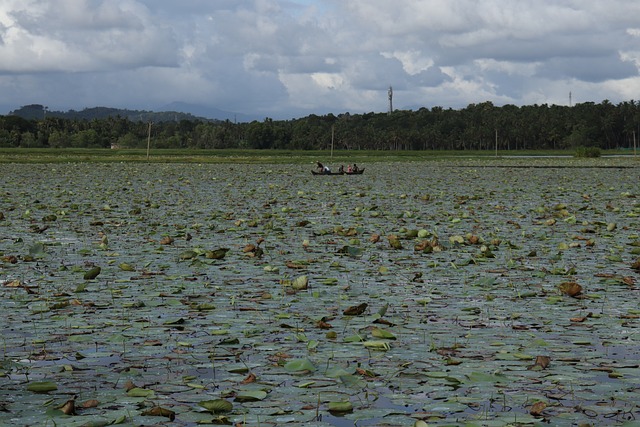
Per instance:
(286,59)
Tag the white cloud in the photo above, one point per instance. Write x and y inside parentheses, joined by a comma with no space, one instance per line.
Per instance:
(413,62)
(42,36)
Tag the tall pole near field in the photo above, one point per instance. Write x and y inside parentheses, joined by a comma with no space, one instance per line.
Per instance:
(634,143)
(496,142)
(390,93)
(332,134)
(149,140)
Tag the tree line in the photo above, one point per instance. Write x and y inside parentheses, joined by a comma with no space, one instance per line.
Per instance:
(481,126)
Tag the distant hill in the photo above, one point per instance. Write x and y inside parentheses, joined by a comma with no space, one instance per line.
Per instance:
(210,112)
(37,112)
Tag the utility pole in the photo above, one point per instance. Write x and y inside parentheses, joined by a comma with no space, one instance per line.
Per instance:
(332,134)
(390,93)
(149,140)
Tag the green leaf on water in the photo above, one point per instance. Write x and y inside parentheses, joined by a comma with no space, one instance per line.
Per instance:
(175,321)
(299,365)
(126,267)
(187,255)
(140,392)
(382,333)
(354,338)
(251,396)
(353,381)
(481,377)
(300,283)
(377,345)
(340,407)
(42,386)
(93,273)
(217,406)
(37,249)
(352,251)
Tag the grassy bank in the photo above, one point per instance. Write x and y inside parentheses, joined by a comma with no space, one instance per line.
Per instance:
(24,155)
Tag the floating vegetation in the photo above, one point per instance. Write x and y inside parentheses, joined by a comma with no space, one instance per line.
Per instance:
(441,293)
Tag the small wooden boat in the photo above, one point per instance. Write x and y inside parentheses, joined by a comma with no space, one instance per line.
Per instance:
(358,172)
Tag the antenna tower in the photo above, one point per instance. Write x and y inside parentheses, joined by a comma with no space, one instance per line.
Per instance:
(390,93)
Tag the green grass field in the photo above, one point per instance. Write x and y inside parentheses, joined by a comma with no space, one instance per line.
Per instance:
(24,155)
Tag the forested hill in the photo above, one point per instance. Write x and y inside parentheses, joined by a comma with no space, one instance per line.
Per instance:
(476,127)
(38,112)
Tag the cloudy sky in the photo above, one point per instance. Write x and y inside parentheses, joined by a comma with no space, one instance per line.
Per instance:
(289,58)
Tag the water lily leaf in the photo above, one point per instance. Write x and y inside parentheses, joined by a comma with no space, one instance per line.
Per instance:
(159,411)
(217,253)
(300,283)
(354,338)
(481,377)
(537,408)
(377,345)
(522,356)
(217,406)
(337,371)
(140,392)
(299,365)
(187,255)
(340,407)
(42,386)
(37,249)
(383,310)
(356,310)
(93,273)
(542,362)
(486,282)
(382,333)
(353,381)
(306,384)
(570,288)
(459,240)
(350,250)
(394,242)
(126,267)
(251,396)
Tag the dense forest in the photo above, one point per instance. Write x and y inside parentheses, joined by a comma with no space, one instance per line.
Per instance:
(477,127)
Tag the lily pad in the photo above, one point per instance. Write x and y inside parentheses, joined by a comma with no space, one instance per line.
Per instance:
(217,406)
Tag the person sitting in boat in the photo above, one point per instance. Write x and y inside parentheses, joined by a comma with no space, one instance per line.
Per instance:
(320,167)
(349,169)
(326,170)
(341,169)
(355,168)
